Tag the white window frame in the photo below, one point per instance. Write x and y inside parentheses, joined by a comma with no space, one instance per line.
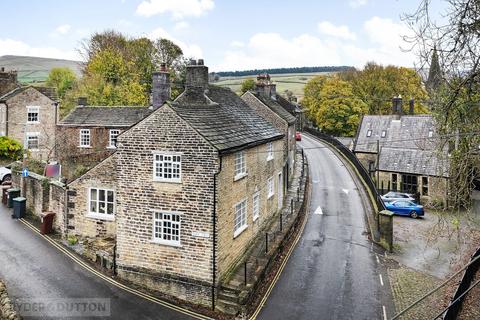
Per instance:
(84,133)
(384,134)
(256,205)
(97,214)
(269,151)
(270,187)
(430,133)
(113,134)
(167,160)
(240,222)
(369,133)
(33,109)
(32,135)
(240,165)
(162,221)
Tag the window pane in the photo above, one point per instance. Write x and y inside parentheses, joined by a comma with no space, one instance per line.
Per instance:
(101,195)
(110,208)
(110,196)
(93,194)
(93,206)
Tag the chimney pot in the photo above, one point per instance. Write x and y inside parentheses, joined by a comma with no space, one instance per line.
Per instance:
(192,62)
(397,105)
(82,101)
(411,105)
(200,62)
(3,69)
(163,67)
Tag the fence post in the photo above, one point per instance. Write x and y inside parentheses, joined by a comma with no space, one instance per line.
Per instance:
(266,242)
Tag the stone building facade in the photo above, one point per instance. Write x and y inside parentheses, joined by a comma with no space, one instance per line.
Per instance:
(29,115)
(196,180)
(401,153)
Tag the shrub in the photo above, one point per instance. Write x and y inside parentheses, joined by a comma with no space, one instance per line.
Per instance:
(10,149)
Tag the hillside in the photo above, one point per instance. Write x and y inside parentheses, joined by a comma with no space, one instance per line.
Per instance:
(35,69)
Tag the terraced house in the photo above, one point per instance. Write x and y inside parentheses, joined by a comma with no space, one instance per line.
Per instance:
(186,192)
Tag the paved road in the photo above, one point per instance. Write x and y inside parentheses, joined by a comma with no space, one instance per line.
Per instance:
(333,272)
(32,268)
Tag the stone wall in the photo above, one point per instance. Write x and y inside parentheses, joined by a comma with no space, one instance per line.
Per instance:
(231,192)
(7,310)
(366,158)
(43,195)
(186,270)
(80,222)
(18,126)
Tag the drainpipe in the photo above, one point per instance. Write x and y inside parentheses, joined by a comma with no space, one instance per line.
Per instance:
(214,222)
(6,119)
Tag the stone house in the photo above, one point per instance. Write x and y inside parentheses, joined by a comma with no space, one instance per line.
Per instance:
(271,106)
(187,191)
(89,133)
(29,115)
(401,152)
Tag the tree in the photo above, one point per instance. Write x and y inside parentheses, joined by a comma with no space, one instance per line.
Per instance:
(62,79)
(247,84)
(167,52)
(10,149)
(335,108)
(455,102)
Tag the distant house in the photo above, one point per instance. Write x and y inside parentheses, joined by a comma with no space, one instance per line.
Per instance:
(402,153)
(92,131)
(186,192)
(29,115)
(269,105)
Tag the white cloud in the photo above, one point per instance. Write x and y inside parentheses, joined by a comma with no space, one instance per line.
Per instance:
(15,47)
(329,29)
(357,3)
(63,29)
(178,8)
(381,41)
(189,50)
(182,25)
(237,44)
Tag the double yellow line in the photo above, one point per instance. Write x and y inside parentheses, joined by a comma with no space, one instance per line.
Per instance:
(284,262)
(113,282)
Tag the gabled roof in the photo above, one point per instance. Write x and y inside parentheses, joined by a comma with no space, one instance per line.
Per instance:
(415,161)
(292,108)
(276,106)
(409,131)
(46,91)
(105,116)
(224,119)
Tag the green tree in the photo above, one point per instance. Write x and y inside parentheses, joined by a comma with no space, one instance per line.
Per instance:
(247,84)
(312,95)
(335,108)
(62,79)
(10,149)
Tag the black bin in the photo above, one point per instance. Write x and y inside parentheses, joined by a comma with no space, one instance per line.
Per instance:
(19,207)
(12,194)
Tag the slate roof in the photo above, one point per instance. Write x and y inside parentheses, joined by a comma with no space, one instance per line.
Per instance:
(292,108)
(105,116)
(224,119)
(409,131)
(277,107)
(415,161)
(47,91)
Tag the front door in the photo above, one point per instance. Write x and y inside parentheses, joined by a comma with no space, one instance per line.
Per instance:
(280,190)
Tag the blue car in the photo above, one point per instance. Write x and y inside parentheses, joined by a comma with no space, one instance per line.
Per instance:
(405,208)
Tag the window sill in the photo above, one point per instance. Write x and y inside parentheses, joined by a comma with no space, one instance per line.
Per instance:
(270,195)
(269,159)
(97,216)
(85,147)
(111,148)
(167,181)
(255,218)
(33,122)
(166,243)
(240,176)
(239,231)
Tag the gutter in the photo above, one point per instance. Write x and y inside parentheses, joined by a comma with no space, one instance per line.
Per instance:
(214,225)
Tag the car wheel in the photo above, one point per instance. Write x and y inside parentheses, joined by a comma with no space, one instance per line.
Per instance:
(7,178)
(414,215)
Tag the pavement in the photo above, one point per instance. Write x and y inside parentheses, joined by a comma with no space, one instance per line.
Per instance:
(35,270)
(334,272)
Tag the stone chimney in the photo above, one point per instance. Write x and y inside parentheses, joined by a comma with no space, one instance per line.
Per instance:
(82,101)
(265,87)
(160,86)
(197,76)
(397,106)
(8,81)
(411,106)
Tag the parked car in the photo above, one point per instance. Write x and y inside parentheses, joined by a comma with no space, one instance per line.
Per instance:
(405,208)
(393,195)
(298,136)
(5,174)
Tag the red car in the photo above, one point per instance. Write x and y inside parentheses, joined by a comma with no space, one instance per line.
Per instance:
(298,136)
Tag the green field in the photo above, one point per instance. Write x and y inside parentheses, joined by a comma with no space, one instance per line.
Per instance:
(35,69)
(291,81)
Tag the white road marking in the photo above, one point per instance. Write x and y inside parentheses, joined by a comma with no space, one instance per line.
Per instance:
(384,313)
(381,279)
(371,247)
(319,210)
(378,260)
(345,190)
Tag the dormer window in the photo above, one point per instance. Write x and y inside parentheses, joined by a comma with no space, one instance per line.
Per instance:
(369,133)
(384,133)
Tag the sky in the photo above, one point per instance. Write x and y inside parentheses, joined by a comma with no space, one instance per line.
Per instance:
(227,34)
